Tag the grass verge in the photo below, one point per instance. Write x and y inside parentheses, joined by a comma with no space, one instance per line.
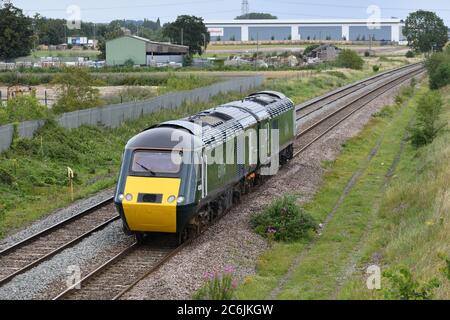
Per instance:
(323,269)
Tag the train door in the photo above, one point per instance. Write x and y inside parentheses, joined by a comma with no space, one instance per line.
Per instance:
(204,173)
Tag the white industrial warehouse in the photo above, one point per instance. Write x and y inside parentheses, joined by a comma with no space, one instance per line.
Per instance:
(338,30)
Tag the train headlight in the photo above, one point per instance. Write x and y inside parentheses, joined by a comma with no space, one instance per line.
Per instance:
(129,197)
(171,199)
(180,200)
(121,197)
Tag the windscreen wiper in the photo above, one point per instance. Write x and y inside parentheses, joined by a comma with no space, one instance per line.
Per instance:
(145,168)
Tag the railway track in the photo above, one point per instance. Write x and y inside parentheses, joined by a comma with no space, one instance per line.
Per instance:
(28,253)
(318,129)
(311,106)
(122,272)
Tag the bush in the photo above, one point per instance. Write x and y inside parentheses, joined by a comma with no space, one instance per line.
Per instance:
(310,48)
(219,286)
(187,60)
(75,91)
(22,108)
(376,68)
(438,66)
(284,220)
(441,76)
(349,59)
(409,54)
(128,63)
(3,115)
(405,287)
(366,53)
(427,123)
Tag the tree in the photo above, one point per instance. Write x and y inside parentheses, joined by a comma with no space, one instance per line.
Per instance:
(15,33)
(425,31)
(115,32)
(189,31)
(75,91)
(256,16)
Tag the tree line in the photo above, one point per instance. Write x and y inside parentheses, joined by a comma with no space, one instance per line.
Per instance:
(20,34)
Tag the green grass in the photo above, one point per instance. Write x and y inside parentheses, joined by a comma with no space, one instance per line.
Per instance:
(322,269)
(35,176)
(413,224)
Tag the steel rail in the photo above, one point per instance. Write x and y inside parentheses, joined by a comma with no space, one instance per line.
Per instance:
(56,227)
(351,88)
(384,88)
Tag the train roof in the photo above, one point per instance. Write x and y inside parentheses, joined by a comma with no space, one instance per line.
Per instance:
(217,124)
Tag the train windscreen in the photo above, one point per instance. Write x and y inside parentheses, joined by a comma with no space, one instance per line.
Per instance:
(156,162)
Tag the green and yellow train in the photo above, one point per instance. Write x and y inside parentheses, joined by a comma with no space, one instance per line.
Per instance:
(178,176)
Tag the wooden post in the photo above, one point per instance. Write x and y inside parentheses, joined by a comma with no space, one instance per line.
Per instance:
(45,97)
(70,176)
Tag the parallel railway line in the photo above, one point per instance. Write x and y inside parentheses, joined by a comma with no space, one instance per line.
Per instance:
(122,272)
(28,253)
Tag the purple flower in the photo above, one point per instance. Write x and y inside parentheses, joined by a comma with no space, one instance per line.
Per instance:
(228,269)
(271,230)
(234,284)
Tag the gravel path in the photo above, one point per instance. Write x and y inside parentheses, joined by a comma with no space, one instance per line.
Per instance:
(230,241)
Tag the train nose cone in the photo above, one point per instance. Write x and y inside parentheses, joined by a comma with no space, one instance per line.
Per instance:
(150,208)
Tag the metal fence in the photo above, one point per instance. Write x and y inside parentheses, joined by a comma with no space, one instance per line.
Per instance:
(114,115)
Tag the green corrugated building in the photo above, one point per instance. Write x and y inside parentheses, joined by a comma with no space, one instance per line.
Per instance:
(142,51)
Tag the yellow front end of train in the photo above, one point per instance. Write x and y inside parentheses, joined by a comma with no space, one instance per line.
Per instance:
(157,213)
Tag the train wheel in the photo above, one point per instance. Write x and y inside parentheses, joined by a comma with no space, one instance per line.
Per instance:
(140,238)
(188,232)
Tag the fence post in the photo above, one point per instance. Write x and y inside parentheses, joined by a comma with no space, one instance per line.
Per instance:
(45,97)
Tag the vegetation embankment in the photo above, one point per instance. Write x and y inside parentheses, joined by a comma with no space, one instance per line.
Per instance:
(396,216)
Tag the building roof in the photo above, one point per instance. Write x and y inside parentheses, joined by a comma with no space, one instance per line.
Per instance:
(152,42)
(298,21)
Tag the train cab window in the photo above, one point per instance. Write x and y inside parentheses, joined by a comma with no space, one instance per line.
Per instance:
(156,162)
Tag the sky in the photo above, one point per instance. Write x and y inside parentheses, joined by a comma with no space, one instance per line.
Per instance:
(167,10)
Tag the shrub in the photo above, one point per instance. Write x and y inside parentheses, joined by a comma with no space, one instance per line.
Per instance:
(187,60)
(441,76)
(427,123)
(405,287)
(128,63)
(3,115)
(376,68)
(409,54)
(75,91)
(349,59)
(366,53)
(22,108)
(219,286)
(310,48)
(438,66)
(284,220)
